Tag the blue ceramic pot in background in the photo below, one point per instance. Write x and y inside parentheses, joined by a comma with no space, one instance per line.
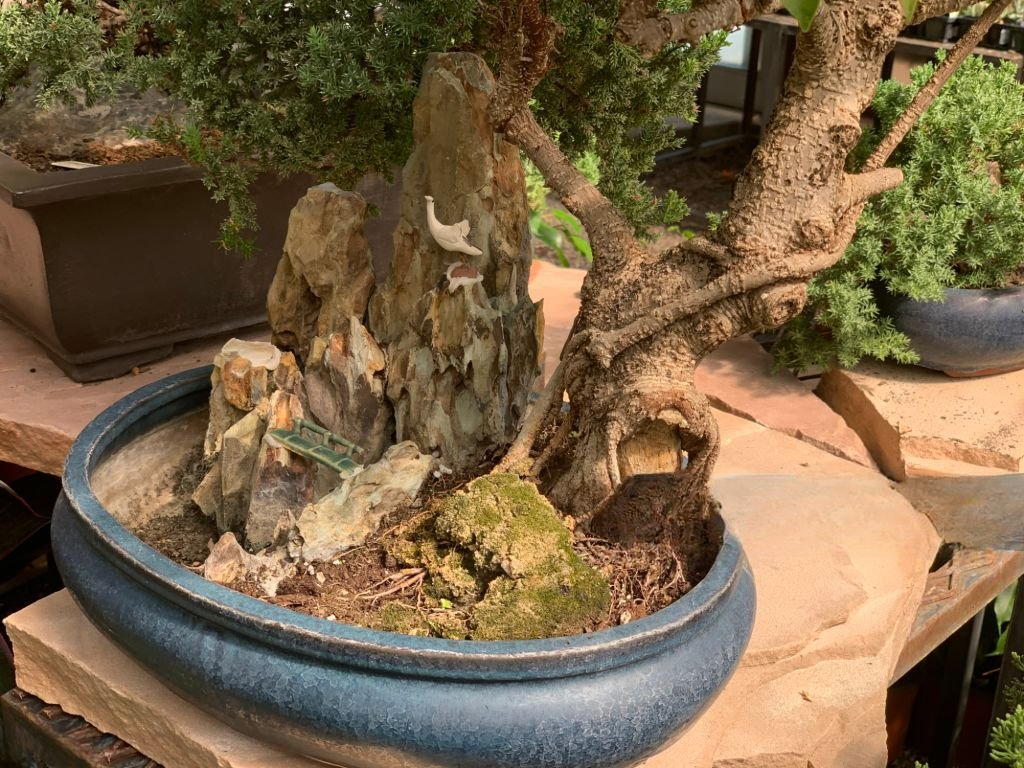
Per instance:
(972,333)
(366,699)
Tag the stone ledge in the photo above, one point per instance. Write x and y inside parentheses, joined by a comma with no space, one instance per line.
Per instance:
(921,423)
(738,378)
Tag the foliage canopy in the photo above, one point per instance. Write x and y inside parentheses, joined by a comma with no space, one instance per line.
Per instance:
(326,86)
(956,221)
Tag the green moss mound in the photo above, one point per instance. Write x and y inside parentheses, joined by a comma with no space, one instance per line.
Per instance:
(500,550)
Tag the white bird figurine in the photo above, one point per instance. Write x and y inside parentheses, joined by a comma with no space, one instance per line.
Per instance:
(451,237)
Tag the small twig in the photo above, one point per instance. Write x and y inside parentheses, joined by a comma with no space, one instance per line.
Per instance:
(963,48)
(406,578)
(564,430)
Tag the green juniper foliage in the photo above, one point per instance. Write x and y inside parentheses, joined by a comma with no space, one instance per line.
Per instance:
(326,86)
(956,221)
(1006,742)
(65,50)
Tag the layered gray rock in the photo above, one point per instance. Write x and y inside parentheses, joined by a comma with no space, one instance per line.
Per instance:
(441,353)
(345,517)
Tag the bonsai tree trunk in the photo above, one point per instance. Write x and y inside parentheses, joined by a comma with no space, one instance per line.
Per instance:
(646,321)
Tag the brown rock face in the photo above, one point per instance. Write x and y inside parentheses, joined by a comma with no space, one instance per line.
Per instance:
(326,274)
(460,362)
(442,357)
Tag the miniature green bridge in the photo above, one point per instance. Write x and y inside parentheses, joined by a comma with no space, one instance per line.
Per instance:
(339,459)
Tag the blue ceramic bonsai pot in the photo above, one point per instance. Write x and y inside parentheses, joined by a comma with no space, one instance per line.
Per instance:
(366,699)
(972,333)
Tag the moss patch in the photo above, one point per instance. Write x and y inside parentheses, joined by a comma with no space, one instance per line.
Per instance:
(501,531)
(398,617)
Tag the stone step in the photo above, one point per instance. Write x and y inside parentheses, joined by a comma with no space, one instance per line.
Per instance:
(920,423)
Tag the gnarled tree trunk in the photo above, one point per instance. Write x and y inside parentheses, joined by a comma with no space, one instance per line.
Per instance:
(646,321)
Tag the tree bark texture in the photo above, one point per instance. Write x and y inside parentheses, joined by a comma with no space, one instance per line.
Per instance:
(646,321)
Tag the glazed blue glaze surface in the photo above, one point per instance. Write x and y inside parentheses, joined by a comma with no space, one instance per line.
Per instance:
(972,330)
(366,699)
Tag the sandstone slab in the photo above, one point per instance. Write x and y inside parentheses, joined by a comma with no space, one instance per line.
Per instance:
(64,660)
(751,449)
(738,378)
(922,423)
(42,411)
(811,689)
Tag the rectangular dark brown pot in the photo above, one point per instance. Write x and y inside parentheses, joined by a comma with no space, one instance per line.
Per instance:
(109,267)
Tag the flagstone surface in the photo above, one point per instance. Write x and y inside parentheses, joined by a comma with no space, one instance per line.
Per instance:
(917,422)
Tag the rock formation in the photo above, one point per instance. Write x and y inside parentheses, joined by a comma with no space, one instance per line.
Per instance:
(442,353)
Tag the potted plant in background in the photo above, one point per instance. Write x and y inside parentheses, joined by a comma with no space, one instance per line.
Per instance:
(442,357)
(933,275)
(100,263)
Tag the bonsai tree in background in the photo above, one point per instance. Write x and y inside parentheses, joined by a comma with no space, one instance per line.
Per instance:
(326,86)
(956,221)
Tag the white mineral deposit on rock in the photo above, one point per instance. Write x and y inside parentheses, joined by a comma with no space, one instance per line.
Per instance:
(259,353)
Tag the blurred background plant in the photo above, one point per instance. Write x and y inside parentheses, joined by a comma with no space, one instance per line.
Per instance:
(326,87)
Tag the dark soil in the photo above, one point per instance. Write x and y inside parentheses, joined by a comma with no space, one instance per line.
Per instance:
(647,563)
(183,538)
(644,577)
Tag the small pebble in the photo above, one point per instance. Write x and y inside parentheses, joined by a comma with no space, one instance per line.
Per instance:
(335,562)
(445,470)
(320,578)
(310,570)
(332,617)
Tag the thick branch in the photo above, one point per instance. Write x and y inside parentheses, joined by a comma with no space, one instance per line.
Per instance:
(927,9)
(611,236)
(642,26)
(861,187)
(525,37)
(604,346)
(927,95)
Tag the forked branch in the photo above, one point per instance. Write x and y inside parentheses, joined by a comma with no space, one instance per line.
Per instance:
(605,346)
(644,27)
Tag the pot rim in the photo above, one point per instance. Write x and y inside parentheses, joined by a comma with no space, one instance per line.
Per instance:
(23,187)
(344,644)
